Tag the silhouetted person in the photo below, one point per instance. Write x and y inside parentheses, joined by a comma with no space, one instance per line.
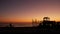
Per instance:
(10,25)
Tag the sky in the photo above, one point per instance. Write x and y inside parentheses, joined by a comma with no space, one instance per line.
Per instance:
(26,10)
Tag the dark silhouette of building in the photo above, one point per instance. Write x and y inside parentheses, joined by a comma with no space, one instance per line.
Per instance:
(47,23)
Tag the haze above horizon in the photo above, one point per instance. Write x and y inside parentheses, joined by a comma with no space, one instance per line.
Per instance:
(26,10)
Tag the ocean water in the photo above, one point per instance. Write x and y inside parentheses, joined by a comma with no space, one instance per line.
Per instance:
(22,25)
(16,24)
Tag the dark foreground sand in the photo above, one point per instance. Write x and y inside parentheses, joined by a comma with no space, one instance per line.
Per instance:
(28,30)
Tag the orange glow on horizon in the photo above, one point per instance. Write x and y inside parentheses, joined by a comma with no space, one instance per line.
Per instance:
(27,20)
